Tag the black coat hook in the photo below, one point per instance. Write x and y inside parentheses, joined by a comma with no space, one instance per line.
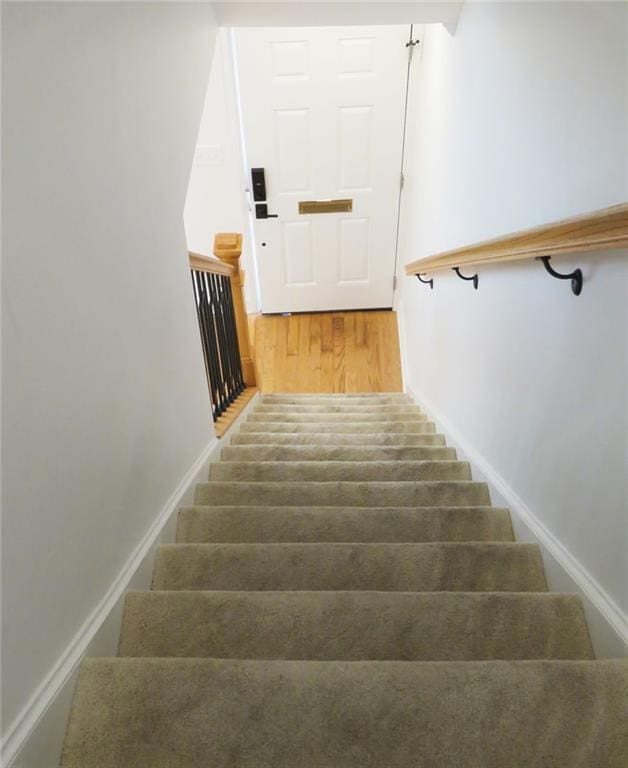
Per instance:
(462,277)
(575,276)
(429,282)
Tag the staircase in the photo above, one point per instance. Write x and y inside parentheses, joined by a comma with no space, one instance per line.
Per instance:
(343,595)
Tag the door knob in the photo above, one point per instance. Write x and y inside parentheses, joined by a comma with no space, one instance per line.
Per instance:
(261,212)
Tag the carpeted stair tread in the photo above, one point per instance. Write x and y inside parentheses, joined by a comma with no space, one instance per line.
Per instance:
(342,595)
(333,418)
(342,524)
(336,453)
(445,493)
(346,427)
(406,626)
(432,567)
(374,439)
(305,471)
(201,713)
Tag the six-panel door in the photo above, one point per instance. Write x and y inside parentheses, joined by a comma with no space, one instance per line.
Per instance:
(323,114)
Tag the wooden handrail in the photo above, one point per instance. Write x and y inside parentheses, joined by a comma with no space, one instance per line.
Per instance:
(228,249)
(596,231)
(213,266)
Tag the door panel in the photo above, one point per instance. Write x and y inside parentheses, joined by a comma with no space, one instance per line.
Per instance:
(293,149)
(322,112)
(354,147)
(354,250)
(298,256)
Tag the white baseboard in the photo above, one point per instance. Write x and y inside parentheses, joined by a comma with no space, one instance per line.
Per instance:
(35,738)
(608,624)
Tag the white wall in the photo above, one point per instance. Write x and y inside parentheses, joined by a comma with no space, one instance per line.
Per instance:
(215,199)
(105,403)
(522,118)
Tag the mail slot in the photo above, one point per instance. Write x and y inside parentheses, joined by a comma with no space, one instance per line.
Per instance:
(326,206)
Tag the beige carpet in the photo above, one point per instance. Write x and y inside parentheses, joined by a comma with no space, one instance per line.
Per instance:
(343,595)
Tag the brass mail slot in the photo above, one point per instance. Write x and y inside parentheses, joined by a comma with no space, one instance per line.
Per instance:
(326,206)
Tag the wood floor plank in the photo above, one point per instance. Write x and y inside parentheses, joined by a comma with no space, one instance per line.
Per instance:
(303,369)
(292,351)
(361,343)
(294,323)
(327,352)
(338,345)
(375,355)
(266,343)
(315,355)
(351,366)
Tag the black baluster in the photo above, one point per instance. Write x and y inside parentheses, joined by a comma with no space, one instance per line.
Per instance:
(218,343)
(210,363)
(221,403)
(225,363)
(215,310)
(215,341)
(223,282)
(233,336)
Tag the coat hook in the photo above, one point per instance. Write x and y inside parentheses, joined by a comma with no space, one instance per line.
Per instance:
(429,282)
(575,276)
(462,277)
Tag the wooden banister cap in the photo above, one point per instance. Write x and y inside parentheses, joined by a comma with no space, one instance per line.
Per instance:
(228,245)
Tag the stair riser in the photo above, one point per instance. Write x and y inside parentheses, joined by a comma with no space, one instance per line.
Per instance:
(321,524)
(394,398)
(343,494)
(280,409)
(322,453)
(380,567)
(373,439)
(195,713)
(342,428)
(334,418)
(354,626)
(391,471)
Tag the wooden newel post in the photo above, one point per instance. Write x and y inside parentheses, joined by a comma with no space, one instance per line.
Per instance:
(228,248)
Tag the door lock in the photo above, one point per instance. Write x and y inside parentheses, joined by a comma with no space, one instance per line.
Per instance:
(258,180)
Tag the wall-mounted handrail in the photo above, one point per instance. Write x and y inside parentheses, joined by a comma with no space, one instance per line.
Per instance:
(596,231)
(218,293)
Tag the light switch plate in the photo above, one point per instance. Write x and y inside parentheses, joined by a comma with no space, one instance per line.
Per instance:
(208,154)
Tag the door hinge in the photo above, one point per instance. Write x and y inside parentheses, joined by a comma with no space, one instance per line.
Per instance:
(402,180)
(410,45)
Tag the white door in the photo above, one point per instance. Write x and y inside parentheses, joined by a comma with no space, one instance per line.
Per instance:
(322,113)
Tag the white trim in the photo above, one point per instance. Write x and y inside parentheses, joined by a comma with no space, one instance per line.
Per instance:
(608,624)
(237,118)
(26,722)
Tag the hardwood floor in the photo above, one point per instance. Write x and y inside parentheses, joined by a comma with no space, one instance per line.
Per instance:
(327,352)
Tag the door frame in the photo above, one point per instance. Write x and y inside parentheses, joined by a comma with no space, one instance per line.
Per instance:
(247,195)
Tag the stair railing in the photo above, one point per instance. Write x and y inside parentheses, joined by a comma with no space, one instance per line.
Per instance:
(218,293)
